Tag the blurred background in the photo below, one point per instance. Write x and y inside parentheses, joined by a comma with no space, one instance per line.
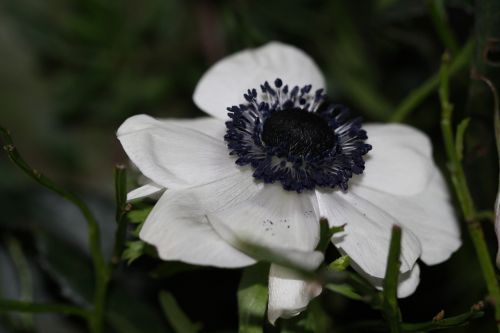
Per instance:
(71,71)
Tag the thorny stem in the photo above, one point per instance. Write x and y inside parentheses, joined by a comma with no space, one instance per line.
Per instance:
(462,191)
(95,320)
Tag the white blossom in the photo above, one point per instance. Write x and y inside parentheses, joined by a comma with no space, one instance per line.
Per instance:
(211,204)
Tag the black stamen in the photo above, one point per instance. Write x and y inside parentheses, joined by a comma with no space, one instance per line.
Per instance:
(298,132)
(281,135)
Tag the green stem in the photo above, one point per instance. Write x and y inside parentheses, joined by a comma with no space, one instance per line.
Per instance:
(462,191)
(28,307)
(450,322)
(100,268)
(418,95)
(97,318)
(390,301)
(121,214)
(442,324)
(439,18)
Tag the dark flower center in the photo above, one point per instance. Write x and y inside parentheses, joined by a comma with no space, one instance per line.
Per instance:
(298,132)
(282,136)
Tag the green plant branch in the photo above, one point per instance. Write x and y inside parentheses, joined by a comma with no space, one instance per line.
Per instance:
(100,268)
(122,208)
(435,324)
(28,307)
(418,95)
(439,19)
(390,301)
(455,321)
(462,190)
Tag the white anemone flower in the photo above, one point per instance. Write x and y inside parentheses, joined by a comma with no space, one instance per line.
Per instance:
(269,161)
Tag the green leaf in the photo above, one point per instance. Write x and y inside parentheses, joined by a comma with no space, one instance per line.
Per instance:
(390,302)
(175,316)
(313,320)
(139,215)
(340,264)
(133,250)
(316,318)
(346,290)
(459,141)
(18,258)
(252,298)
(357,288)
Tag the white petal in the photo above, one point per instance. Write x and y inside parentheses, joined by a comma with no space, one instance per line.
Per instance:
(222,194)
(273,218)
(407,284)
(298,259)
(409,136)
(289,293)
(224,84)
(400,161)
(179,231)
(144,191)
(173,156)
(367,233)
(206,125)
(429,215)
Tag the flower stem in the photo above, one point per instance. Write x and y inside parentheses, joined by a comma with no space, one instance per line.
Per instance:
(418,95)
(390,302)
(121,213)
(100,269)
(439,18)
(462,191)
